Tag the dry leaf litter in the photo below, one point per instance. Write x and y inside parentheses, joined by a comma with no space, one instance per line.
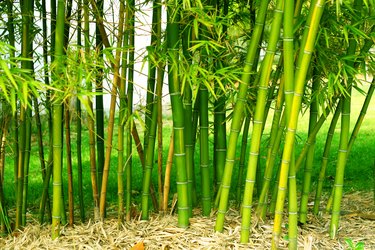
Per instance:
(161,232)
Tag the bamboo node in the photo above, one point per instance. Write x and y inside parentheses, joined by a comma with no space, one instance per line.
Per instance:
(225,186)
(294,213)
(279,11)
(254,153)
(250,181)
(258,122)
(343,150)
(287,39)
(183,208)
(206,198)
(263,87)
(285,161)
(181,182)
(338,185)
(247,206)
(220,149)
(56,183)
(204,165)
(177,155)
(221,211)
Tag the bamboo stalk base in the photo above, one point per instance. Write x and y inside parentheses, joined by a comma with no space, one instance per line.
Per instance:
(161,232)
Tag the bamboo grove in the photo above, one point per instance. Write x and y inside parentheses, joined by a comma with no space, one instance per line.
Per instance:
(233,69)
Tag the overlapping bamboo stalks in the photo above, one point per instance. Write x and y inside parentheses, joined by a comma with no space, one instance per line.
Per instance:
(225,63)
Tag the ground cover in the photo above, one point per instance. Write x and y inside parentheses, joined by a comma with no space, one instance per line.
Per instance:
(161,232)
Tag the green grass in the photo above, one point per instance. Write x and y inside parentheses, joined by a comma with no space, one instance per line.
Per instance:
(359,170)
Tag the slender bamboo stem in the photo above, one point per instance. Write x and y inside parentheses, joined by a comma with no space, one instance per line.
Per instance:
(259,122)
(316,11)
(69,162)
(238,115)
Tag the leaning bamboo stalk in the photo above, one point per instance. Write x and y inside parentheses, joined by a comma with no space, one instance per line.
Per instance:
(238,116)
(241,164)
(316,11)
(272,148)
(259,122)
(326,151)
(111,119)
(344,135)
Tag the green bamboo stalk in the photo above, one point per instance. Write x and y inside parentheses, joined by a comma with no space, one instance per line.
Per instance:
(272,148)
(45,200)
(340,167)
(362,115)
(188,117)
(204,151)
(220,142)
(315,13)
(57,113)
(288,45)
(25,122)
(177,113)
(259,121)
(241,165)
(79,123)
(41,153)
(26,164)
(238,115)
(323,166)
(149,161)
(220,147)
(57,157)
(344,136)
(69,162)
(310,155)
(312,135)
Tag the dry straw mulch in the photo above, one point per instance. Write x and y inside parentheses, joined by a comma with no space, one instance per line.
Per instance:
(161,232)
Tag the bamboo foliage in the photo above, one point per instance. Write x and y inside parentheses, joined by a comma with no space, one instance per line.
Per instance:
(242,66)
